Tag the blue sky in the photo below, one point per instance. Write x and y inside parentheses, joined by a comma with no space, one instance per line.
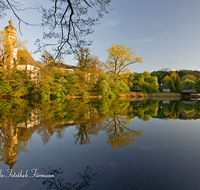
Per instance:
(166,34)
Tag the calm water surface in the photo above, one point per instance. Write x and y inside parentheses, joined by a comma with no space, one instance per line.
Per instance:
(100,144)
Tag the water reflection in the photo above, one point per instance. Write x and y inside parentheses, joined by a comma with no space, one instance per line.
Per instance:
(58,182)
(20,119)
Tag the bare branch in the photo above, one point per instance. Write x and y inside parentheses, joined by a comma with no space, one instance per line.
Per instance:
(13,8)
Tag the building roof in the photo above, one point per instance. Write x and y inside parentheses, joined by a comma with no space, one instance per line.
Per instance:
(189,90)
(25,58)
(164,87)
(62,65)
(189,102)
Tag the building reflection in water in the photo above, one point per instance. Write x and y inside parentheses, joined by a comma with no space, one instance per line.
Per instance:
(10,142)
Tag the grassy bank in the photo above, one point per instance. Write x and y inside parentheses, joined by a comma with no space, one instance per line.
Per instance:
(139,96)
(165,96)
(134,96)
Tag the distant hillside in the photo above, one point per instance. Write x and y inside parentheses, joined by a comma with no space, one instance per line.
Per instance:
(161,74)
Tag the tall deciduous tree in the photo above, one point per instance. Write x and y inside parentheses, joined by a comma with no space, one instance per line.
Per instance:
(120,57)
(173,81)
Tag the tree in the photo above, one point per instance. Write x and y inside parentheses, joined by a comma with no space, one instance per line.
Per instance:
(197,84)
(111,85)
(66,22)
(173,81)
(145,82)
(188,84)
(120,56)
(86,60)
(189,77)
(127,78)
(47,58)
(174,109)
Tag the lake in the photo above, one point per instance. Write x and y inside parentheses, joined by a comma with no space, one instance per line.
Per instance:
(99,144)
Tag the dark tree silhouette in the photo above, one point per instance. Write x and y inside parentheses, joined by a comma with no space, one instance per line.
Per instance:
(66,22)
(59,183)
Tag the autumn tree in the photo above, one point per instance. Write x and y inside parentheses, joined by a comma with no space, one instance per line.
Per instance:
(173,81)
(189,77)
(127,78)
(47,58)
(117,124)
(120,57)
(174,109)
(89,68)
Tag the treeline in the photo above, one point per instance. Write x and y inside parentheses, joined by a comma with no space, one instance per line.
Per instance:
(88,79)
(179,80)
(162,74)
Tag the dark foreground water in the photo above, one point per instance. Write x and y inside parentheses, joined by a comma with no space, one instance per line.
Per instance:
(99,145)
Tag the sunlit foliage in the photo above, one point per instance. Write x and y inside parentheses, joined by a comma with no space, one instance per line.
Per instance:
(174,109)
(189,77)
(120,57)
(173,81)
(188,84)
(145,82)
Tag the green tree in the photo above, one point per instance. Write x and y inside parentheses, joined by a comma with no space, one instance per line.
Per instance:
(197,84)
(145,82)
(111,85)
(188,84)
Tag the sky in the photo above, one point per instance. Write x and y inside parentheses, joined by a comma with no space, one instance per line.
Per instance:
(166,34)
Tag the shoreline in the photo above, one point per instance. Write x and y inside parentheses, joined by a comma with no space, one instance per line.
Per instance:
(131,96)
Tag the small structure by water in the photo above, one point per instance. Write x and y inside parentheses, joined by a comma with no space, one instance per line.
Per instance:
(190,93)
(164,88)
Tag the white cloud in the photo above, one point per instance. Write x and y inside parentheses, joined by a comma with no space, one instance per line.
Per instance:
(145,40)
(112,23)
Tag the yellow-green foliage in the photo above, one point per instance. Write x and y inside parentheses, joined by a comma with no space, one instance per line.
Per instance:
(173,81)
(174,109)
(120,56)
(145,82)
(147,109)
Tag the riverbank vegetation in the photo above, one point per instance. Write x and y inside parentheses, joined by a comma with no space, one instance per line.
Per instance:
(91,77)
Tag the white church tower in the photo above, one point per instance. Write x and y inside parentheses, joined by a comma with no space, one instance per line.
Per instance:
(10,55)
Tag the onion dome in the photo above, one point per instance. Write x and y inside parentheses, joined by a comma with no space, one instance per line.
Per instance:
(11,30)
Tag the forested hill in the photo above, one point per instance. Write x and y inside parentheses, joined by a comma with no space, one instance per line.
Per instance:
(161,74)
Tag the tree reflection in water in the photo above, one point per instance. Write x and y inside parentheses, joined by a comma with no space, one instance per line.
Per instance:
(119,135)
(20,119)
(59,183)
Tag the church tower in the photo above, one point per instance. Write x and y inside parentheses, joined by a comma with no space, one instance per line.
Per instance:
(10,48)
